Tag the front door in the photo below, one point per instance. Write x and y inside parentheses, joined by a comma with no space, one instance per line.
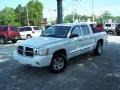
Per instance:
(75,41)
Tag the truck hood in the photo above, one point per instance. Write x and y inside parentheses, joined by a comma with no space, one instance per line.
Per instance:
(40,41)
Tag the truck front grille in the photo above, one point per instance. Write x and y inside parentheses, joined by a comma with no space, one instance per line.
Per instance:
(26,51)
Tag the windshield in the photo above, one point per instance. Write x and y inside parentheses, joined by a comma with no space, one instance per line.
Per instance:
(56,31)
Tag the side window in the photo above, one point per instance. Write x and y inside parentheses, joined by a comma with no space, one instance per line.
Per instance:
(76,30)
(28,29)
(14,29)
(5,28)
(36,28)
(21,29)
(85,29)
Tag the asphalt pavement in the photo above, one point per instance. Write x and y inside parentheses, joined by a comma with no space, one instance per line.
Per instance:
(84,72)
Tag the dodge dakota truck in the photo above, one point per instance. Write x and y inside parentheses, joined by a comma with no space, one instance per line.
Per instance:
(57,44)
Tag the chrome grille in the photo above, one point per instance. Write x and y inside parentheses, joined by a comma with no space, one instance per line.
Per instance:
(27,51)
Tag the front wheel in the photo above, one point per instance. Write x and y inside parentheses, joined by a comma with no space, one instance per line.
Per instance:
(98,49)
(58,63)
(14,41)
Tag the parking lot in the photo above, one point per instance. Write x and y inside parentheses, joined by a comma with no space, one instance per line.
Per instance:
(85,72)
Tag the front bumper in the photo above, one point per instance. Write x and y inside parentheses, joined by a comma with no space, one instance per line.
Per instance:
(35,61)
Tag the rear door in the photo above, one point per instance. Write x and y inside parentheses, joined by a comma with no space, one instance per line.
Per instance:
(88,40)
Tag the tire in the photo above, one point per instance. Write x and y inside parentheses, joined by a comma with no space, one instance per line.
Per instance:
(14,41)
(98,49)
(2,41)
(58,63)
(29,36)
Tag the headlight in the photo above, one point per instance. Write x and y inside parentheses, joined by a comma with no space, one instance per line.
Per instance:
(42,52)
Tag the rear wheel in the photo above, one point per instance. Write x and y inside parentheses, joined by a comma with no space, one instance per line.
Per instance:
(98,49)
(29,36)
(58,63)
(2,41)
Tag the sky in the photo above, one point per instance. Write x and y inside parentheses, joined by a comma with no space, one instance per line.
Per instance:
(82,7)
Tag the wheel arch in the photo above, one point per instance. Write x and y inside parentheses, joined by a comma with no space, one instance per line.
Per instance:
(100,40)
(60,51)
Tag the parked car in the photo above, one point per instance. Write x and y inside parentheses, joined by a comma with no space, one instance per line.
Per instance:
(58,44)
(9,33)
(29,32)
(96,27)
(117,29)
(99,27)
(110,27)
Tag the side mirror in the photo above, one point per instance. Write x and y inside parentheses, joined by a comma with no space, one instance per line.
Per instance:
(73,35)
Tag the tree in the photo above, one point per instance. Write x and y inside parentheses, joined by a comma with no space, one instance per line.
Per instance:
(35,11)
(20,15)
(106,16)
(116,19)
(69,18)
(83,18)
(7,16)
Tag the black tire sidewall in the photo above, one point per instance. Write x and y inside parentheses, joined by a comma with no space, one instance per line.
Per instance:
(96,51)
(29,36)
(51,68)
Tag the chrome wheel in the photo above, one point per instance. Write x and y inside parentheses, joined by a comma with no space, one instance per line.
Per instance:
(58,63)
(99,48)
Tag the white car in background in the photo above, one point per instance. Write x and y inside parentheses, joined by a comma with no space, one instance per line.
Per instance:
(29,32)
(110,27)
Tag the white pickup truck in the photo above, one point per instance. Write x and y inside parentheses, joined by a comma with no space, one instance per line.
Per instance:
(58,44)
